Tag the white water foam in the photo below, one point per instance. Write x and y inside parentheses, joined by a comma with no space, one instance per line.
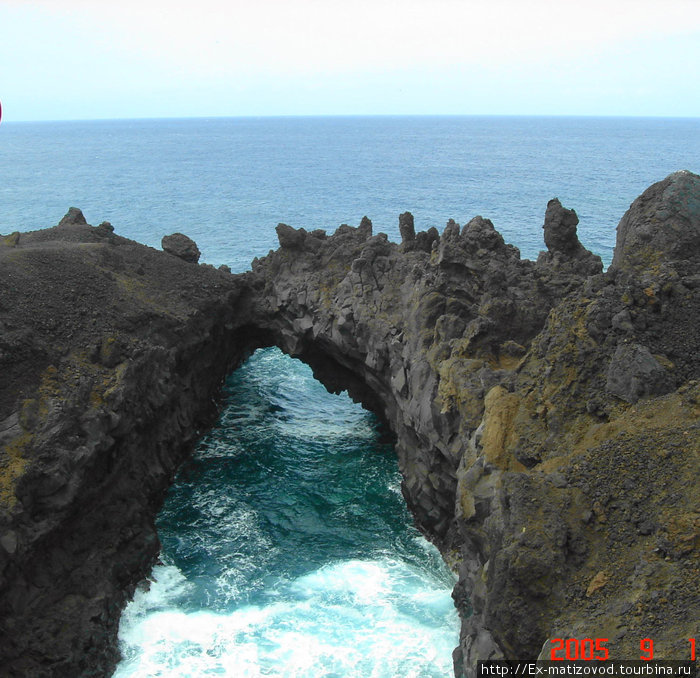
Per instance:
(303,405)
(271,524)
(352,619)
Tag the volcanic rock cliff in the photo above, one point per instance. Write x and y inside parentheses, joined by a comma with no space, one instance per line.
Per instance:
(545,414)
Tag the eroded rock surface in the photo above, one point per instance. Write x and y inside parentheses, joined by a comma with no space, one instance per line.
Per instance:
(110,354)
(181,246)
(546,415)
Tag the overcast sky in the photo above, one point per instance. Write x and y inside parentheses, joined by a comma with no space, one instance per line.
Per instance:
(78,59)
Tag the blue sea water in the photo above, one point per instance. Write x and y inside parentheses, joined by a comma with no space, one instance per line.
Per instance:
(228,182)
(287,549)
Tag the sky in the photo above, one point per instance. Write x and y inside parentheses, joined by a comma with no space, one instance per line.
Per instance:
(80,59)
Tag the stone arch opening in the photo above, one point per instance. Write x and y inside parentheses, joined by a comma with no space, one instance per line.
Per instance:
(429,482)
(352,588)
(336,371)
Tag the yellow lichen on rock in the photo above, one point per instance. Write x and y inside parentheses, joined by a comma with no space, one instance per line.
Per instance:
(597,583)
(11,240)
(12,465)
(672,411)
(499,435)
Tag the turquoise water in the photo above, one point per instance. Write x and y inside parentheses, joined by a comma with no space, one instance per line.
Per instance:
(288,550)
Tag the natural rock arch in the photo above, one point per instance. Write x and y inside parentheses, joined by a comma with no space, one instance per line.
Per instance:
(499,376)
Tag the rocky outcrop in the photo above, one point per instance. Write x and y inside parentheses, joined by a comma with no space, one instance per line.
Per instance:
(74,217)
(564,250)
(111,353)
(181,246)
(662,227)
(545,414)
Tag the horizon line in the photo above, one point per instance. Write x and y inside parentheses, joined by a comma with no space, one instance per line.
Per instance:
(354,115)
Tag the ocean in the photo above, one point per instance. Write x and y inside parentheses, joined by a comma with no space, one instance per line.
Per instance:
(287,548)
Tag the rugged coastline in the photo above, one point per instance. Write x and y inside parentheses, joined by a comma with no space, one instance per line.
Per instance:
(546,414)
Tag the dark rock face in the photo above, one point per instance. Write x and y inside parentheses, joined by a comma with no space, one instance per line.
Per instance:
(546,418)
(74,217)
(635,373)
(406,228)
(560,229)
(181,246)
(565,251)
(108,375)
(290,237)
(662,225)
